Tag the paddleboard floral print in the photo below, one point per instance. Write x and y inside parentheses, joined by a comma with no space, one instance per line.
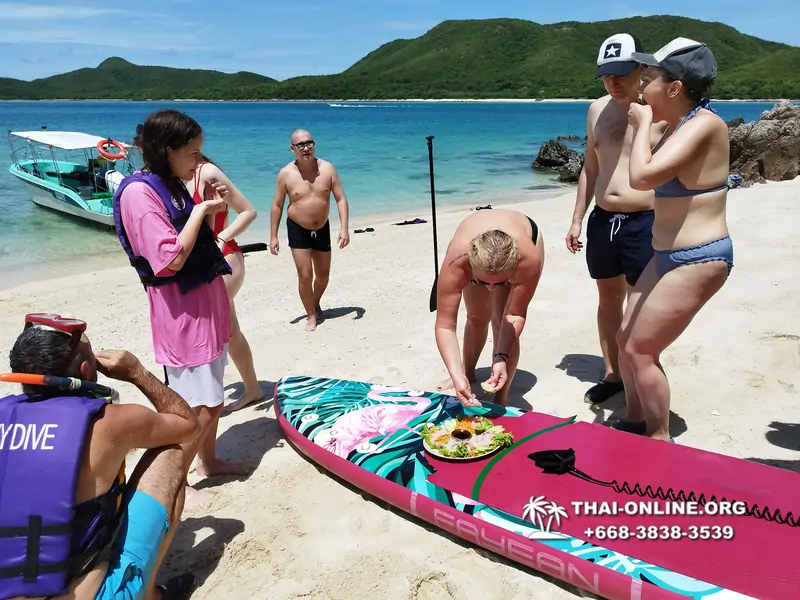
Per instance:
(382,428)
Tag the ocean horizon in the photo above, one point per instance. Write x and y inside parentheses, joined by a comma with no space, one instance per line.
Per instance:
(483,151)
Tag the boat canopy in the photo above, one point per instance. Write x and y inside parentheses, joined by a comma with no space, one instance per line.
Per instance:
(65,140)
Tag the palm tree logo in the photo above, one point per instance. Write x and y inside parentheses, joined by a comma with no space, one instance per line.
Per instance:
(537,509)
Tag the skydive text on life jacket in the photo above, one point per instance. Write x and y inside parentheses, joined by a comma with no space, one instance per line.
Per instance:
(18,436)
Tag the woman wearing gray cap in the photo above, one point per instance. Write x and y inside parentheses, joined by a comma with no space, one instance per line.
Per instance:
(693,253)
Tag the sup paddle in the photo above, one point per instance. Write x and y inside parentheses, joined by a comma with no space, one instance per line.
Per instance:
(62,383)
(433,214)
(257,247)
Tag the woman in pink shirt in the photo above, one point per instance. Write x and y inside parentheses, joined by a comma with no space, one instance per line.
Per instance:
(181,267)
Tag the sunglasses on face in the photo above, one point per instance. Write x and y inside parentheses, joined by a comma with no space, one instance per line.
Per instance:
(304,145)
(75,328)
(487,284)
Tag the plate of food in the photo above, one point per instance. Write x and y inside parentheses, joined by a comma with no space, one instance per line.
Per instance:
(465,438)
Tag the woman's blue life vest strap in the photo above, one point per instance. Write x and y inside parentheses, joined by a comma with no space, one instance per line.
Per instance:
(674,188)
(204,263)
(46,540)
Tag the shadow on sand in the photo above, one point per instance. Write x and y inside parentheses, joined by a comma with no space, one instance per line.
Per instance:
(201,560)
(246,442)
(583,367)
(783,435)
(334,313)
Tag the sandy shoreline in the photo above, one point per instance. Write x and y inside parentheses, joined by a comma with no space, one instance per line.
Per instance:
(259,232)
(734,375)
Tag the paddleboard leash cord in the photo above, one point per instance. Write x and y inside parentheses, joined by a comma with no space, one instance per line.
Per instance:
(562,462)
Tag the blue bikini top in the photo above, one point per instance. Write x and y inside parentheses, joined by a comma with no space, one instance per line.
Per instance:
(674,188)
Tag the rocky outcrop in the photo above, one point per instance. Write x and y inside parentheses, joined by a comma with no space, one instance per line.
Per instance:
(555,157)
(767,149)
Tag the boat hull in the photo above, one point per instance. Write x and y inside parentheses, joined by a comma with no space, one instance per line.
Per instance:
(60,201)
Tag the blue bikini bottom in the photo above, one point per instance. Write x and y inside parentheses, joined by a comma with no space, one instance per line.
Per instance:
(719,249)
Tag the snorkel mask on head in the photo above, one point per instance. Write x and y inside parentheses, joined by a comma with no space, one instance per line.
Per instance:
(75,328)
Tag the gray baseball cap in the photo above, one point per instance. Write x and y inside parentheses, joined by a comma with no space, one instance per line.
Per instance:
(685,60)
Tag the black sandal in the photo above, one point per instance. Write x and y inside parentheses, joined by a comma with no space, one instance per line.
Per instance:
(179,587)
(635,427)
(602,391)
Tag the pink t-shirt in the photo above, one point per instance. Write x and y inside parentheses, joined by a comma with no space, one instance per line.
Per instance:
(188,330)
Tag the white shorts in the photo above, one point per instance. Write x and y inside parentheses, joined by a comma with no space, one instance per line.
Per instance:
(201,385)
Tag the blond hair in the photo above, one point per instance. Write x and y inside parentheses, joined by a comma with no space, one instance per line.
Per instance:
(493,252)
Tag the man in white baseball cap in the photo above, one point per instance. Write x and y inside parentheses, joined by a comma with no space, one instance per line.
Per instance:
(616,55)
(619,228)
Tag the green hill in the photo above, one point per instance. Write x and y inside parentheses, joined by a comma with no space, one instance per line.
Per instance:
(116,78)
(493,58)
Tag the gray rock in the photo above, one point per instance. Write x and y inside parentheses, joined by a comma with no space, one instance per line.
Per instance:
(571,172)
(555,157)
(767,149)
(552,154)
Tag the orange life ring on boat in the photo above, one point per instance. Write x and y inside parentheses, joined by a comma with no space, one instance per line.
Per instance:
(103,144)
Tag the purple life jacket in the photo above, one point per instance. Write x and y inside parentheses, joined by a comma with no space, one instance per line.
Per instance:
(204,263)
(42,440)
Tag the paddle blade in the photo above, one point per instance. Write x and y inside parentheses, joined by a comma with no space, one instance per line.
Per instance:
(256,247)
(433,296)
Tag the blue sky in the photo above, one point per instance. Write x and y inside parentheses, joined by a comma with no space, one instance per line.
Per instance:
(285,38)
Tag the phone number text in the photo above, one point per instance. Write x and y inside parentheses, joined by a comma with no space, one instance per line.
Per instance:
(660,532)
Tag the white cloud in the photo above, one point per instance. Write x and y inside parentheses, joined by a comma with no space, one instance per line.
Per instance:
(178,41)
(11,11)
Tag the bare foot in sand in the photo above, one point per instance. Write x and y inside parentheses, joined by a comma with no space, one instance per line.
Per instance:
(320,313)
(194,498)
(447,384)
(221,467)
(311,322)
(243,401)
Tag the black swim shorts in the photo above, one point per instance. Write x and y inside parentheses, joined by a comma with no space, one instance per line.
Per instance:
(619,243)
(301,238)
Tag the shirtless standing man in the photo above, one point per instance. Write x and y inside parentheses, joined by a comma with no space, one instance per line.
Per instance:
(309,181)
(619,230)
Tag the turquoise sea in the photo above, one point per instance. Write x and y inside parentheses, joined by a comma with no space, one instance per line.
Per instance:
(482,151)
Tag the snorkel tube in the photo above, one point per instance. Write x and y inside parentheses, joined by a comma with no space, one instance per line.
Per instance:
(62,383)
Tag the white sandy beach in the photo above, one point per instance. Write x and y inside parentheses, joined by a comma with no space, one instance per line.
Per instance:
(734,375)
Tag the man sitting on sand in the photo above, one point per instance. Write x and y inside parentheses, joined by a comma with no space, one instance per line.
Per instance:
(619,231)
(309,181)
(115,534)
(495,260)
